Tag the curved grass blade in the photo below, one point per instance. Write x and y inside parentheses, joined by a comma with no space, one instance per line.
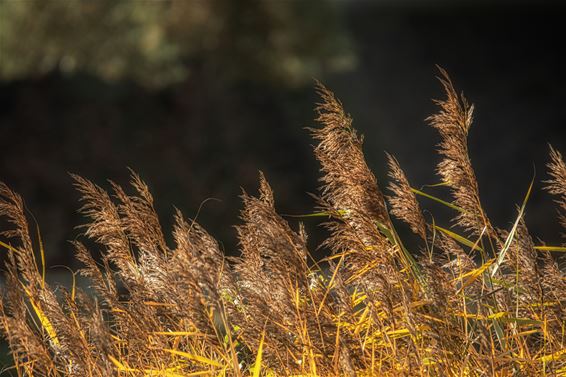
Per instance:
(511,235)
(197,358)
(551,248)
(438,200)
(256,369)
(459,238)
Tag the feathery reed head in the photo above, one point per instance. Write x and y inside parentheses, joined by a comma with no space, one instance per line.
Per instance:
(404,204)
(557,184)
(453,122)
(154,309)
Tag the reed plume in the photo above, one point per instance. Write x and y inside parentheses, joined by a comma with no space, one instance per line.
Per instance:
(453,122)
(472,300)
(557,184)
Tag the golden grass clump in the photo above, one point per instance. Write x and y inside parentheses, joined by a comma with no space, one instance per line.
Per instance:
(473,300)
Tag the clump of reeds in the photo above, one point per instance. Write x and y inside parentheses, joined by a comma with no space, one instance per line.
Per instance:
(472,301)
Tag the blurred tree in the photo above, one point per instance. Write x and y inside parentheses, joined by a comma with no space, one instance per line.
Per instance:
(194,95)
(156,43)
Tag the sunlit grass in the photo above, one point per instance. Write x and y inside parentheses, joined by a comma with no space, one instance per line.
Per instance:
(470,300)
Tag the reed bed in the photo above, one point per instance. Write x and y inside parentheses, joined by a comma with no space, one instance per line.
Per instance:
(471,300)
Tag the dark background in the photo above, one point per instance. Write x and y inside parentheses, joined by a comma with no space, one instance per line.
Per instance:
(197,96)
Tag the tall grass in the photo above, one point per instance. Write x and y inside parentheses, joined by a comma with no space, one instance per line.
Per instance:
(473,300)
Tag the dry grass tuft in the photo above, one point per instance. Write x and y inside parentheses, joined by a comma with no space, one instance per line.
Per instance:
(474,300)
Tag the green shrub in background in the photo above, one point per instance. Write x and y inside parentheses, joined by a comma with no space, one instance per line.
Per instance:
(155,43)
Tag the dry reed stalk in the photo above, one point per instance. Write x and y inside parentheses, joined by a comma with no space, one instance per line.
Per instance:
(184,310)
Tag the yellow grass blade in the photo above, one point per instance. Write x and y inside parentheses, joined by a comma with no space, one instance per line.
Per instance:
(406,257)
(179,333)
(497,315)
(511,235)
(200,373)
(12,249)
(121,367)
(73,287)
(438,200)
(197,358)
(474,274)
(553,356)
(257,365)
(168,373)
(551,248)
(45,323)
(459,238)
(116,363)
(42,255)
(361,321)
(502,317)
(398,333)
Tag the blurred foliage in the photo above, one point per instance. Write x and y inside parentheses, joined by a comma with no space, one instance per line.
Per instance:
(156,43)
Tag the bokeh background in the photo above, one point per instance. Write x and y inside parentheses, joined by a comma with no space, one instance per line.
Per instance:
(196,96)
